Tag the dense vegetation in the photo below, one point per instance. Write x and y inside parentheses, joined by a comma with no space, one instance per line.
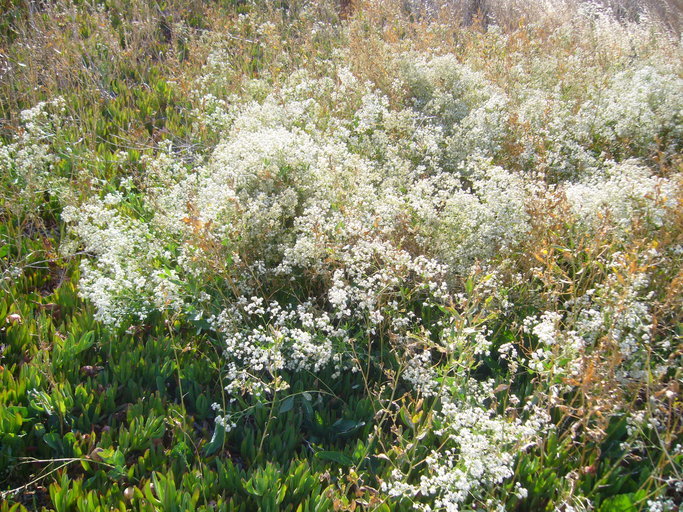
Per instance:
(313,256)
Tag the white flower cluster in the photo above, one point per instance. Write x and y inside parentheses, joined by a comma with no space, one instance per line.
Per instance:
(420,374)
(622,192)
(631,115)
(468,111)
(480,449)
(27,161)
(639,107)
(559,352)
(264,338)
(125,276)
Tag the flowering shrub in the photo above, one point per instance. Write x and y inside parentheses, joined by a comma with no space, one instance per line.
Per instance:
(325,214)
(453,273)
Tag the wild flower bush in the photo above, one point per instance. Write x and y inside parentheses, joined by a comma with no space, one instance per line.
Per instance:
(473,249)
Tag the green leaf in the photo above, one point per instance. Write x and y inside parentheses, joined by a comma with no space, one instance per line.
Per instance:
(337,457)
(217,440)
(53,440)
(469,286)
(405,417)
(619,503)
(345,427)
(287,405)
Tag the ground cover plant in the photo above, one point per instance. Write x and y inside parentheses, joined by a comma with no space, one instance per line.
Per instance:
(313,256)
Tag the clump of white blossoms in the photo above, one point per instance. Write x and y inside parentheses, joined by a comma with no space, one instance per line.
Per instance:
(622,192)
(27,161)
(126,277)
(478,451)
